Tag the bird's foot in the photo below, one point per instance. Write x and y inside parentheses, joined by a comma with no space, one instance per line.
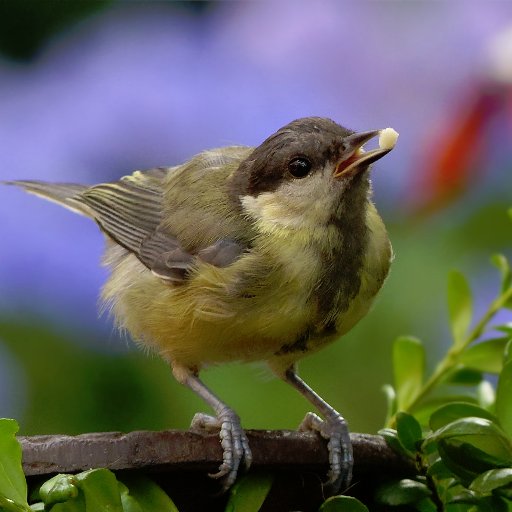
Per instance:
(236,451)
(335,429)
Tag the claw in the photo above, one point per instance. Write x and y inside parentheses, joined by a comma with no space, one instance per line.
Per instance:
(236,451)
(335,429)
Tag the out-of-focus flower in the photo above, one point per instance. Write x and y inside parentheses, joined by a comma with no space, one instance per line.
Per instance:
(144,85)
(461,149)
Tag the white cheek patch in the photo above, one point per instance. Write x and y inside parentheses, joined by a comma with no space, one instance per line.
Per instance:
(267,209)
(287,209)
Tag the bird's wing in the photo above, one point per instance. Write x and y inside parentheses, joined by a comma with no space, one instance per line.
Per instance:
(130,212)
(167,259)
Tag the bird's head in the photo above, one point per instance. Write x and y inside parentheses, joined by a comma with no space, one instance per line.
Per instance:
(307,172)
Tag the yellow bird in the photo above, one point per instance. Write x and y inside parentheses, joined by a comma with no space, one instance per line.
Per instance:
(245,254)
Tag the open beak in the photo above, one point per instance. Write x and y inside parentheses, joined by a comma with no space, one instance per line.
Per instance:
(357,158)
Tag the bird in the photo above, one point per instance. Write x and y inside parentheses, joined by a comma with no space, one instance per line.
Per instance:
(244,254)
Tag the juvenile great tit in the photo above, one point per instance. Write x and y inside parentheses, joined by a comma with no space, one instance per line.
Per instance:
(245,254)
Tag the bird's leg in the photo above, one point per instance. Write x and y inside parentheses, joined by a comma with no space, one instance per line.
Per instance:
(334,428)
(234,442)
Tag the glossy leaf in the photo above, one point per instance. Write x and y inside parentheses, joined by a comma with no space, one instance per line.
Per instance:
(423,412)
(425,505)
(487,482)
(100,489)
(403,492)
(506,328)
(129,503)
(457,410)
(390,393)
(409,431)
(147,493)
(37,507)
(408,368)
(502,264)
(74,505)
(507,356)
(486,356)
(462,376)
(504,398)
(342,504)
(439,471)
(58,489)
(460,494)
(391,437)
(470,446)
(486,395)
(13,486)
(459,306)
(452,459)
(249,492)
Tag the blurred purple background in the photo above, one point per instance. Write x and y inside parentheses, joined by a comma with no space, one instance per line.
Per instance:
(147,84)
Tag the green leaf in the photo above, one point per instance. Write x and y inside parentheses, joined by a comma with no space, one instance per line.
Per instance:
(453,411)
(100,490)
(147,493)
(13,486)
(439,471)
(459,306)
(504,398)
(342,504)
(130,504)
(487,482)
(403,492)
(486,395)
(249,492)
(470,446)
(459,494)
(37,507)
(408,368)
(486,356)
(390,393)
(409,431)
(426,505)
(391,437)
(462,376)
(58,489)
(423,412)
(74,505)
(502,264)
(506,328)
(508,352)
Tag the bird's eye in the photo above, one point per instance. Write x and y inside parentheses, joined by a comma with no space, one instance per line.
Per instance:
(299,167)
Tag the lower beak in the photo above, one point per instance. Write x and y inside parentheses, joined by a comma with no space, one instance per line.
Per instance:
(358,159)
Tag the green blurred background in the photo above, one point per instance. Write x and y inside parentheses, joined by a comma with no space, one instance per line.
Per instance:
(92,90)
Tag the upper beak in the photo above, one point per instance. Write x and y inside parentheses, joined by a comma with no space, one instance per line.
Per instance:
(356,158)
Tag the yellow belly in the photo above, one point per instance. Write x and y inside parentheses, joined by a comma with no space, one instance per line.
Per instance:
(261,307)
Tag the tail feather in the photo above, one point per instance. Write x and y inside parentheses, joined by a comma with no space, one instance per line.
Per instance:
(64,194)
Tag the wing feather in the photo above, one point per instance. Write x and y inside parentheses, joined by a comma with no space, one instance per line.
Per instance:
(130,211)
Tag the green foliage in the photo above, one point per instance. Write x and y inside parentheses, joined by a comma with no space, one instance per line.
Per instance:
(13,488)
(455,425)
(342,504)
(249,493)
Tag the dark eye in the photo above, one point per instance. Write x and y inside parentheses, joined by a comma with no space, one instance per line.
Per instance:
(299,167)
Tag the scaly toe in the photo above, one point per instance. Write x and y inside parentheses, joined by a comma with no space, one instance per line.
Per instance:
(235,446)
(335,429)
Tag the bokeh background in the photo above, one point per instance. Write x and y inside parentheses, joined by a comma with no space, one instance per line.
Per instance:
(90,91)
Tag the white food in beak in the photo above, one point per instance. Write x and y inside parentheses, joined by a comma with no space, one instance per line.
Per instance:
(387,138)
